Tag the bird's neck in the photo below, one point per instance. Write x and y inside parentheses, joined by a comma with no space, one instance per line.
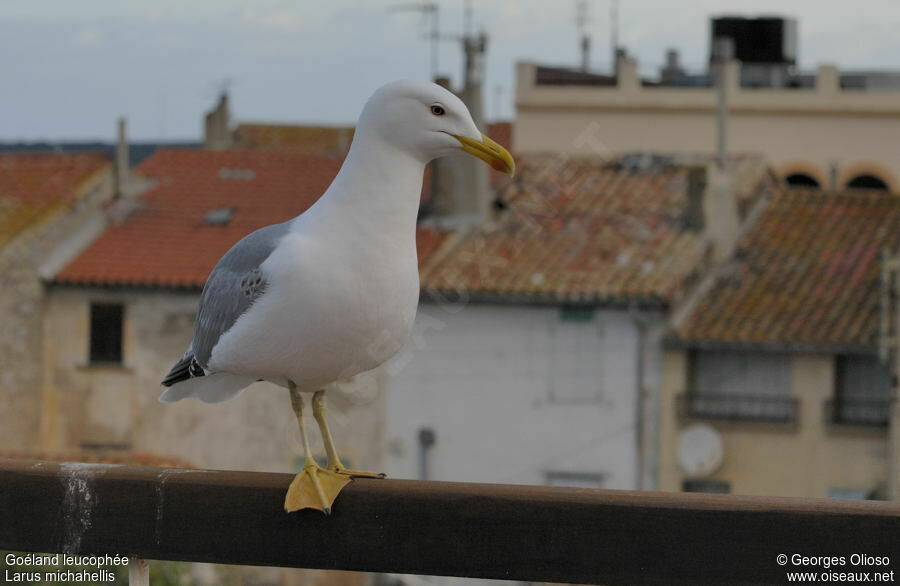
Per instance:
(378,189)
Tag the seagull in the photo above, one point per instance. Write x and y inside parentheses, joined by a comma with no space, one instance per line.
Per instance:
(333,292)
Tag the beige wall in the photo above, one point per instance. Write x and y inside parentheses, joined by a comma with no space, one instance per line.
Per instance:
(21,309)
(118,405)
(803,459)
(796,130)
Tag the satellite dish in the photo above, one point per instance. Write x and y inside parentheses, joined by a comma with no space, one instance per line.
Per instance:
(699,450)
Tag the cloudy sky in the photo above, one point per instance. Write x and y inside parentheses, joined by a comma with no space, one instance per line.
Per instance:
(71,67)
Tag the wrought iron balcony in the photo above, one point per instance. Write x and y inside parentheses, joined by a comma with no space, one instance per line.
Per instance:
(866,410)
(727,406)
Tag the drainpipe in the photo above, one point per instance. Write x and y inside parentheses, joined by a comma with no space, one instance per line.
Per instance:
(640,323)
(427,439)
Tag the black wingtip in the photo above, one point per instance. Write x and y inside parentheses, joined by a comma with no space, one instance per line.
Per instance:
(184,369)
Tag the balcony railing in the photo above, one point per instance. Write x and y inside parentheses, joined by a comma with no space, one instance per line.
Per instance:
(524,533)
(861,411)
(727,406)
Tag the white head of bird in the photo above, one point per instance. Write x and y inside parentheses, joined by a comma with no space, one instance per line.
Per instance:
(427,121)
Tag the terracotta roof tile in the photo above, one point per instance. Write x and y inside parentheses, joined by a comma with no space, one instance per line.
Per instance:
(805,276)
(165,243)
(33,185)
(41,178)
(580,231)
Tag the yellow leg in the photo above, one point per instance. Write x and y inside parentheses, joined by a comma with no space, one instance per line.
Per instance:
(314,487)
(334,461)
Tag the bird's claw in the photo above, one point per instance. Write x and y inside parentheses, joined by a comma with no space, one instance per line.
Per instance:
(315,488)
(357,473)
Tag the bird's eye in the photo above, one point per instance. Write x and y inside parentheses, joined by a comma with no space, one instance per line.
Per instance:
(438,110)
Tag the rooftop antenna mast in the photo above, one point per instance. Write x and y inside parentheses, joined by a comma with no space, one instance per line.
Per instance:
(614,31)
(430,11)
(581,21)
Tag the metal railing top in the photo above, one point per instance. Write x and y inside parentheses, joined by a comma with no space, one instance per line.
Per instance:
(522,533)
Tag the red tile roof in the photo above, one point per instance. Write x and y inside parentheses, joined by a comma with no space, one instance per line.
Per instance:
(165,242)
(42,178)
(806,276)
(331,140)
(34,185)
(580,231)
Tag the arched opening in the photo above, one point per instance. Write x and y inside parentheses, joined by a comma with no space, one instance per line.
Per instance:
(867,181)
(801,180)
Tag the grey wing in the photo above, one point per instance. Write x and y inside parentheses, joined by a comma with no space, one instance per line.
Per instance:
(234,284)
(232,287)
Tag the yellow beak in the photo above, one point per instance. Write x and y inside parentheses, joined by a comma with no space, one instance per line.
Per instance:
(490,152)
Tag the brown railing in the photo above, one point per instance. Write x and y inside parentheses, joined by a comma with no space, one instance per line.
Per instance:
(727,406)
(526,533)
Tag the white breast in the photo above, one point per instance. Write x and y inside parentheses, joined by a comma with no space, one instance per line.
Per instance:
(331,310)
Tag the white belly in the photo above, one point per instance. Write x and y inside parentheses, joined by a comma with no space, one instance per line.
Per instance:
(328,314)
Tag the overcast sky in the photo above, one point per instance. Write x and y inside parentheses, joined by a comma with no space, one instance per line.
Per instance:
(71,67)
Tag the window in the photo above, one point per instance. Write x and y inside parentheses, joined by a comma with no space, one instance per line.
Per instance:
(862,391)
(702,485)
(866,181)
(801,180)
(576,349)
(106,333)
(740,385)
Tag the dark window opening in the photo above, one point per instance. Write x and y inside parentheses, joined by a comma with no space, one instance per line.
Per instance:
(801,180)
(739,385)
(867,182)
(106,333)
(862,392)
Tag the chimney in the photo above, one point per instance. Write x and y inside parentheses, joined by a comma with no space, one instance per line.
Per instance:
(217,136)
(725,68)
(121,172)
(672,70)
(460,186)
(720,213)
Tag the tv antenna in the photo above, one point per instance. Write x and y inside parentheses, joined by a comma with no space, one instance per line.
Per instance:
(430,13)
(614,30)
(581,22)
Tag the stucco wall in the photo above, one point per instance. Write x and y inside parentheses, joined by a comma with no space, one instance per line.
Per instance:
(118,405)
(481,378)
(21,308)
(795,130)
(804,459)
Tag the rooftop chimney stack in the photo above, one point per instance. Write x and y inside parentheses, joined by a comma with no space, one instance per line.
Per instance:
(217,133)
(723,55)
(121,171)
(460,186)
(672,70)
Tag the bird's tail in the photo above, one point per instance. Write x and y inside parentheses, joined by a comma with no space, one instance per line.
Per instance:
(212,388)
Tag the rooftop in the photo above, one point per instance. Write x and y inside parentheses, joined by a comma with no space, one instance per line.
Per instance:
(169,240)
(805,277)
(583,231)
(34,185)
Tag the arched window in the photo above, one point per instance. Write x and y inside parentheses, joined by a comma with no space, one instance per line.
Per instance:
(801,180)
(866,181)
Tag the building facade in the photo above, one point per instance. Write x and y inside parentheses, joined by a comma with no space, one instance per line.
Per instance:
(45,199)
(536,355)
(779,356)
(825,135)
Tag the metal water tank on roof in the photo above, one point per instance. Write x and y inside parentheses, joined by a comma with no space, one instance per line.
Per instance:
(762,40)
